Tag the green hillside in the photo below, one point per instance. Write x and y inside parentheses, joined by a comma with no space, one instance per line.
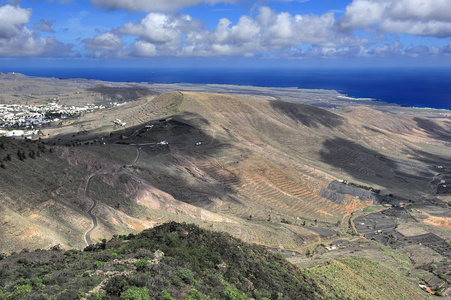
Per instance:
(182,261)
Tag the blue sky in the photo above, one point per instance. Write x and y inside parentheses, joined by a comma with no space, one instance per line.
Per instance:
(225,33)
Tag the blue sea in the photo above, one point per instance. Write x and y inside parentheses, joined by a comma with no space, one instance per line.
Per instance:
(421,87)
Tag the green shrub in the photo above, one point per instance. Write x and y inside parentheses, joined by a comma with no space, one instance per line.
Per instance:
(193,295)
(141,264)
(116,285)
(186,275)
(22,260)
(233,294)
(98,264)
(136,293)
(20,292)
(165,295)
(98,296)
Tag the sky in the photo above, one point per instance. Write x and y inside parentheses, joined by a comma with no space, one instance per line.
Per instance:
(235,33)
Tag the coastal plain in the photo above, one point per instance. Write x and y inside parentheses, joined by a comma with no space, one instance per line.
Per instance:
(332,183)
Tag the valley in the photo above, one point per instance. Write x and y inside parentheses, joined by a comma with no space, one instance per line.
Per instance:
(315,176)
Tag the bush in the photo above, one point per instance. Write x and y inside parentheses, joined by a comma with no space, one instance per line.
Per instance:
(98,264)
(165,295)
(22,260)
(233,294)
(141,265)
(98,296)
(186,275)
(193,295)
(20,292)
(136,293)
(116,285)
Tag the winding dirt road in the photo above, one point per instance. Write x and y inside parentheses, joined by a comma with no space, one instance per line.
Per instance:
(94,219)
(94,202)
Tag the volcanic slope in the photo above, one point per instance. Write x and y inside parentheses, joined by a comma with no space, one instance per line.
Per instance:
(259,159)
(255,168)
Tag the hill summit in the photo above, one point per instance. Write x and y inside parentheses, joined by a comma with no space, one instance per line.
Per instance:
(175,260)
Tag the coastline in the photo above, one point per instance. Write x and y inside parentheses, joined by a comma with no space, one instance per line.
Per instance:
(405,87)
(324,98)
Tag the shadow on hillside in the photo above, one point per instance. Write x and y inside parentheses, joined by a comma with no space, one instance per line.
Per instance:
(308,115)
(433,129)
(122,93)
(374,168)
(432,159)
(176,148)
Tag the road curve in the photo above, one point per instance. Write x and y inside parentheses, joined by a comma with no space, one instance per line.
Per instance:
(94,202)
(94,219)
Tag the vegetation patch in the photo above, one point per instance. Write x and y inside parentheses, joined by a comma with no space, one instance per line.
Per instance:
(172,261)
(361,278)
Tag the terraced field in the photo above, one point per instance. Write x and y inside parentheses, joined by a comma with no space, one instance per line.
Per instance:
(256,162)
(257,168)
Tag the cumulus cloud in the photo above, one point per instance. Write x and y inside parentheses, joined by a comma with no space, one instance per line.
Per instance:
(28,44)
(152,5)
(144,49)
(416,17)
(160,33)
(17,40)
(278,33)
(107,41)
(105,45)
(163,34)
(269,31)
(13,19)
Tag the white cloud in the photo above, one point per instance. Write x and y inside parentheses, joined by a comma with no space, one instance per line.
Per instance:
(17,40)
(162,30)
(424,10)
(28,44)
(13,19)
(144,49)
(415,17)
(107,41)
(152,5)
(180,35)
(269,33)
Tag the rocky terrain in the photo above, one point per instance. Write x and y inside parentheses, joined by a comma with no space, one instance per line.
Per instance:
(322,179)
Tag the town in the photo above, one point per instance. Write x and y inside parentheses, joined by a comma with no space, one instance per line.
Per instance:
(26,120)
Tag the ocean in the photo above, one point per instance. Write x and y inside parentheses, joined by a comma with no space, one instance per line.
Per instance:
(421,87)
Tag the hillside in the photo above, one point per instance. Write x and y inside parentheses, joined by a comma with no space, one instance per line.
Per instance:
(180,261)
(283,174)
